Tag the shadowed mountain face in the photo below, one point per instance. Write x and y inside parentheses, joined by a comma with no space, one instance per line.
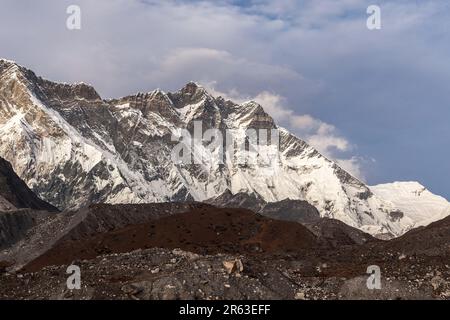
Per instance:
(289,210)
(330,231)
(432,240)
(15,194)
(20,208)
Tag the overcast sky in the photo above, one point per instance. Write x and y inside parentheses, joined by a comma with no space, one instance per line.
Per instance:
(377,101)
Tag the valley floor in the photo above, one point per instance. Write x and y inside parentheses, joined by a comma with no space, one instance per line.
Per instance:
(198,251)
(176,274)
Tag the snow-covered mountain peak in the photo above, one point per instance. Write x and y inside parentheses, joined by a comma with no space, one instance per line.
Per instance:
(191,93)
(8,64)
(15,75)
(192,87)
(413,187)
(75,91)
(74,148)
(417,203)
(406,188)
(10,70)
(7,60)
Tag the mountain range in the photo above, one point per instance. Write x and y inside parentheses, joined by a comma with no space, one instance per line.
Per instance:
(94,183)
(73,149)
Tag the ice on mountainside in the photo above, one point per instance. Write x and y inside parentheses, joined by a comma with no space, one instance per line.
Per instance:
(415,201)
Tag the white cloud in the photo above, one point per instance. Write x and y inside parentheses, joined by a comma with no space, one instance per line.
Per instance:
(206,65)
(353,166)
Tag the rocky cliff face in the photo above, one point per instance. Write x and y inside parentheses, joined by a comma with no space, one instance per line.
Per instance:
(290,210)
(15,194)
(74,148)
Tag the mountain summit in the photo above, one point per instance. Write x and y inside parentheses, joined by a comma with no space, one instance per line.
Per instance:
(74,148)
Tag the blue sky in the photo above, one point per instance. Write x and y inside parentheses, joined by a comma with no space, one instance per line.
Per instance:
(376,101)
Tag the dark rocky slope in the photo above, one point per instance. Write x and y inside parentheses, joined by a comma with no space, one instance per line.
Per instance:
(16,192)
(17,205)
(289,210)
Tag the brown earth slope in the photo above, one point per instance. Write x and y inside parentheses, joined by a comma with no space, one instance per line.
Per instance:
(203,230)
(128,252)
